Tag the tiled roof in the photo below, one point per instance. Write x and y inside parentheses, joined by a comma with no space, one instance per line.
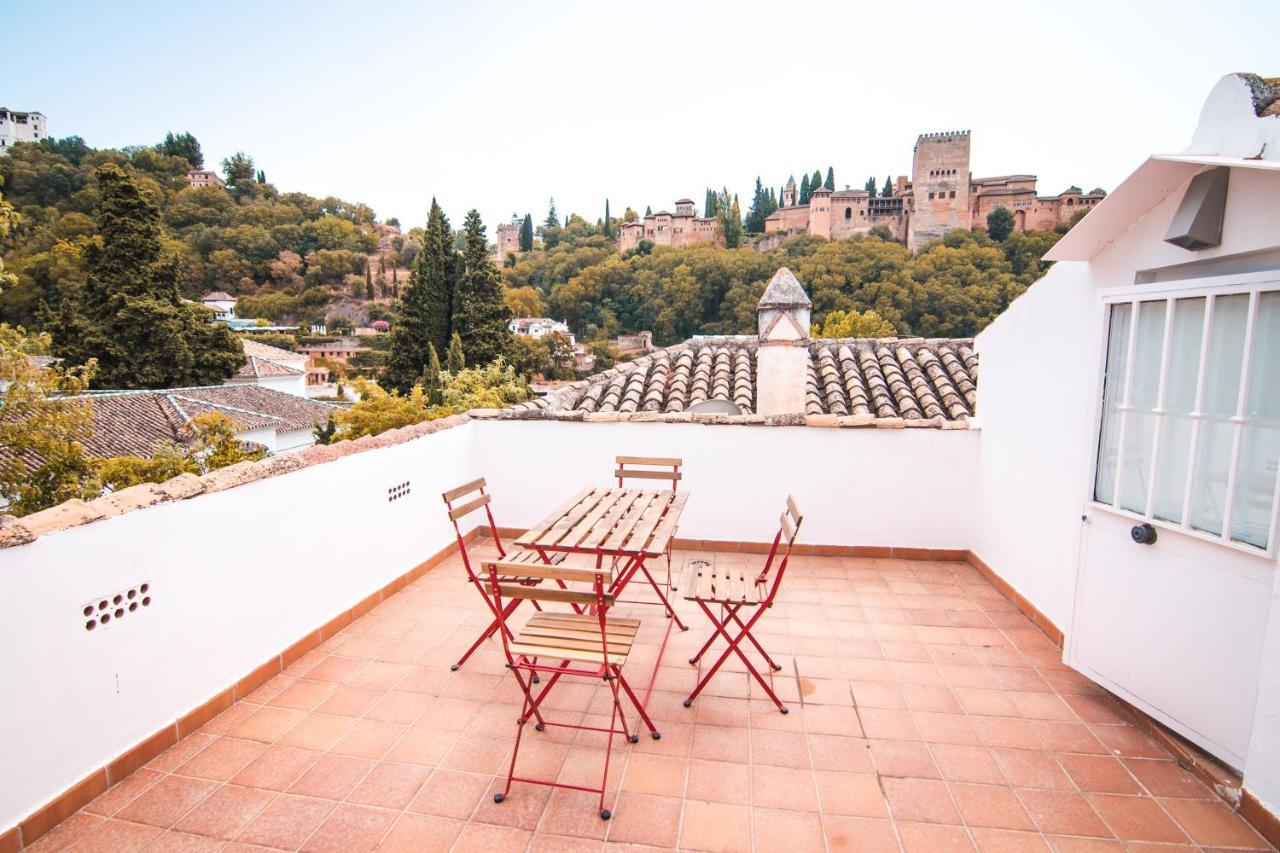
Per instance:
(255,368)
(868,381)
(217,296)
(270,353)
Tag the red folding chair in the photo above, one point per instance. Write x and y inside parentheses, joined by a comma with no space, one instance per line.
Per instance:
(588,645)
(652,468)
(732,589)
(477,499)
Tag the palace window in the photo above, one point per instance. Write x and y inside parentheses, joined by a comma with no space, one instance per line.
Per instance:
(848,213)
(1190,432)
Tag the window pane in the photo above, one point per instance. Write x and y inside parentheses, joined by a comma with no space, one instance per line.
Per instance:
(1260,450)
(1221,390)
(1179,398)
(1112,389)
(1140,431)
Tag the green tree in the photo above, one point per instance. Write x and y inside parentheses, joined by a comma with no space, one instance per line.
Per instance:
(240,176)
(454,358)
(526,234)
(368,283)
(759,206)
(815,182)
(325,433)
(888,187)
(432,381)
(803,198)
(730,219)
(854,324)
(481,316)
(608,227)
(426,309)
(130,315)
(830,183)
(551,228)
(1000,223)
(648,211)
(870,187)
(183,145)
(709,205)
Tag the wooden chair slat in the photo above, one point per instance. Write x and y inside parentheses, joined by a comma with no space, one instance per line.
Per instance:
(643,531)
(588,522)
(787,529)
(465,488)
(468,507)
(531,535)
(793,509)
(622,532)
(544,627)
(639,474)
(554,534)
(611,519)
(564,596)
(669,461)
(667,528)
(559,653)
(551,571)
(572,638)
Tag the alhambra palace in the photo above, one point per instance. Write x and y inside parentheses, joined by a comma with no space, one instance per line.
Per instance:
(941,195)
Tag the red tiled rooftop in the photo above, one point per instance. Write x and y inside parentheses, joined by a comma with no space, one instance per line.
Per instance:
(927,713)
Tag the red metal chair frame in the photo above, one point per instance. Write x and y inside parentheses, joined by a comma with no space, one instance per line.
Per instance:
(622,472)
(789,526)
(598,601)
(459,512)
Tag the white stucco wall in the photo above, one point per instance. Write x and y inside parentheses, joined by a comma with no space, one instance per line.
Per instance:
(895,487)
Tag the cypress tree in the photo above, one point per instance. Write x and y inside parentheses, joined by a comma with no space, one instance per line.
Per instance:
(648,211)
(481,315)
(608,229)
(888,187)
(454,359)
(368,283)
(526,234)
(815,182)
(129,314)
(870,186)
(426,311)
(831,179)
(804,190)
(431,383)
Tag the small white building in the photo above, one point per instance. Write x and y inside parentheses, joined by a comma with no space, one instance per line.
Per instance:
(205,178)
(536,327)
(272,367)
(20,127)
(223,305)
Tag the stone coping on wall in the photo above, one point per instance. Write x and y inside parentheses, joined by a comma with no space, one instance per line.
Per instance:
(840,421)
(73,513)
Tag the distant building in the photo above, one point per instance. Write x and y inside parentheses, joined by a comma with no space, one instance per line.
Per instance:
(272,367)
(507,239)
(223,305)
(338,351)
(536,327)
(205,178)
(20,127)
(682,228)
(941,195)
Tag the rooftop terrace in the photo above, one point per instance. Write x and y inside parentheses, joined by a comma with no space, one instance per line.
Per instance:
(927,714)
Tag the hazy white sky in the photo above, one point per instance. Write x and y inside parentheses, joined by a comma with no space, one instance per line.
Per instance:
(501,105)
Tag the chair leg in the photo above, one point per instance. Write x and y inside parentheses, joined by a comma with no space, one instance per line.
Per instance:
(644,715)
(734,648)
(671,613)
(733,614)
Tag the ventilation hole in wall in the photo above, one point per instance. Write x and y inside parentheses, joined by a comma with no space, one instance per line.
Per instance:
(115,607)
(400,490)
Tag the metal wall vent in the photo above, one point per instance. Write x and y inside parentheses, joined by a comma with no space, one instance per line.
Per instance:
(111,609)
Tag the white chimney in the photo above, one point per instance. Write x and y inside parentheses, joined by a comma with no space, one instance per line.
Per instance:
(782,362)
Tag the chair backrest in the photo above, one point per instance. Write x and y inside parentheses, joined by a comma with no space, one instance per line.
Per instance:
(463,501)
(780,551)
(648,468)
(599,578)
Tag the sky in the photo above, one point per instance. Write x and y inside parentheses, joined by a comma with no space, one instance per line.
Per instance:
(500,106)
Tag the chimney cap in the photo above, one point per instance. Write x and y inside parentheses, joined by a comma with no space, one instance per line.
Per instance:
(784,291)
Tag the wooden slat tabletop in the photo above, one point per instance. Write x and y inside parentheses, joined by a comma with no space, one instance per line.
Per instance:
(637,522)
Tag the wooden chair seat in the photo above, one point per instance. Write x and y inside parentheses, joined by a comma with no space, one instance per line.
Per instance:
(575,637)
(705,581)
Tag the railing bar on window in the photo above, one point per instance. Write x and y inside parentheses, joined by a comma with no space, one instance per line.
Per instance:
(1270,546)
(1196,412)
(1122,409)
(1158,411)
(1238,422)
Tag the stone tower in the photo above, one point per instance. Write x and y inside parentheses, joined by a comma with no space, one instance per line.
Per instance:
(507,237)
(939,186)
(782,362)
(789,192)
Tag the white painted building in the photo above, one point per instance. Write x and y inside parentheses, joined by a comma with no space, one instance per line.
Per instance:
(536,327)
(223,305)
(272,367)
(20,127)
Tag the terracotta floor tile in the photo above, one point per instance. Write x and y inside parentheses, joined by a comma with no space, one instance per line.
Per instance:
(276,768)
(222,759)
(172,841)
(1062,813)
(1065,844)
(718,781)
(658,775)
(390,786)
(831,720)
(486,838)
(316,731)
(166,801)
(993,806)
(920,800)
(336,668)
(860,835)
(903,758)
(332,777)
(933,838)
(477,754)
(1006,732)
(414,833)
(990,703)
(574,813)
(67,833)
(787,832)
(302,695)
(1166,779)
(834,752)
(1127,741)
(960,763)
(1068,737)
(369,739)
(181,752)
(780,749)
(715,827)
(1136,818)
(422,746)
(1026,768)
(850,794)
(522,808)
(1008,841)
(381,675)
(266,724)
(888,725)
(947,728)
(287,821)
(116,836)
(398,706)
(450,794)
(721,743)
(1211,822)
(225,812)
(350,829)
(783,788)
(1099,773)
(543,842)
(120,795)
(641,819)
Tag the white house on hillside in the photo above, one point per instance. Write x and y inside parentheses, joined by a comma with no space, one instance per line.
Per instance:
(223,305)
(272,367)
(536,327)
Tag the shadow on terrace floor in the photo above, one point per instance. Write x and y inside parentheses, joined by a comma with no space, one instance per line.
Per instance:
(926,714)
